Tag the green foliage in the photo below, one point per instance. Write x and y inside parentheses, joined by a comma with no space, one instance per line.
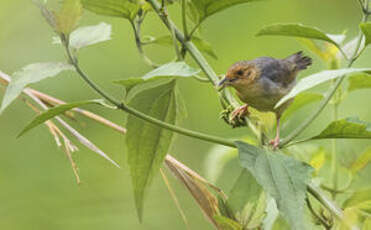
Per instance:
(202,9)
(31,74)
(366,29)
(147,144)
(362,161)
(283,177)
(227,224)
(360,202)
(68,17)
(301,101)
(179,69)
(298,30)
(317,79)
(166,71)
(245,190)
(88,35)
(118,8)
(346,128)
(359,81)
(55,111)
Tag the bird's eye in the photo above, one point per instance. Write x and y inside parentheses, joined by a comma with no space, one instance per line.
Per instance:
(240,72)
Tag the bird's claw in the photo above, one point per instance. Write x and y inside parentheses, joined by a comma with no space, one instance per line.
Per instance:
(235,117)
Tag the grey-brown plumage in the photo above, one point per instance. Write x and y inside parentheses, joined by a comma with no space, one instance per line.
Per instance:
(262,82)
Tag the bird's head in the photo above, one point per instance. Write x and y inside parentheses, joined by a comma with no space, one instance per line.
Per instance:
(238,75)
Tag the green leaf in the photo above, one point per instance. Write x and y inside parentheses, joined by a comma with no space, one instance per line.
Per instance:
(362,161)
(206,8)
(167,71)
(360,201)
(176,69)
(117,8)
(299,30)
(88,35)
(55,111)
(147,144)
(31,74)
(227,224)
(282,177)
(366,30)
(200,43)
(68,16)
(359,81)
(301,101)
(245,190)
(317,79)
(351,127)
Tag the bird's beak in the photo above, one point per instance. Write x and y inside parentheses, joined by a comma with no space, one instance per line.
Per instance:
(222,84)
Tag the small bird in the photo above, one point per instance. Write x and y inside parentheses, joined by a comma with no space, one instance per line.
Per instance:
(262,82)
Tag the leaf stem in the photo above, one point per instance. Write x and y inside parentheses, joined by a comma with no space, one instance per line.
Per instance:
(329,95)
(184,19)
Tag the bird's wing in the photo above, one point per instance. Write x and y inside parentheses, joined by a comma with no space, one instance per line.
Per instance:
(278,71)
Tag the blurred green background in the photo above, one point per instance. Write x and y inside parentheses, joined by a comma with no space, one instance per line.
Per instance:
(38,189)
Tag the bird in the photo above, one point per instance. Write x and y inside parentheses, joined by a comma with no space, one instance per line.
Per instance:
(262,82)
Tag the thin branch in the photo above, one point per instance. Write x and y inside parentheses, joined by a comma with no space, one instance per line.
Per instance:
(318,217)
(128,109)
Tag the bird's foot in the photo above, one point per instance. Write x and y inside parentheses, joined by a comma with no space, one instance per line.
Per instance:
(235,117)
(240,112)
(275,142)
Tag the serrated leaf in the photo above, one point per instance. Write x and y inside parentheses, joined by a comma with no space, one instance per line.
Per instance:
(366,30)
(176,69)
(55,111)
(301,101)
(206,8)
(31,74)
(282,177)
(362,161)
(147,144)
(245,190)
(117,8)
(88,35)
(200,43)
(317,79)
(227,224)
(299,30)
(359,81)
(351,127)
(68,16)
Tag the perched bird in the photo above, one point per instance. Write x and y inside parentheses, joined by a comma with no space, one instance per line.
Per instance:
(262,82)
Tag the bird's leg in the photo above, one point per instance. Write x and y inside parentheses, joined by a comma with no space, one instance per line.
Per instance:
(240,112)
(276,141)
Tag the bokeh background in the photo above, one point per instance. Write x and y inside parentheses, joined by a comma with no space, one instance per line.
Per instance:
(38,189)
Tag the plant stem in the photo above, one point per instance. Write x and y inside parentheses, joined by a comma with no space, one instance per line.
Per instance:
(317,216)
(329,95)
(128,109)
(329,205)
(184,19)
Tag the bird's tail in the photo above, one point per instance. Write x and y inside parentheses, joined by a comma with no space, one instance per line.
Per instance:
(301,62)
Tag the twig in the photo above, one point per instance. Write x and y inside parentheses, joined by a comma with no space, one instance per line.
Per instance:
(318,217)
